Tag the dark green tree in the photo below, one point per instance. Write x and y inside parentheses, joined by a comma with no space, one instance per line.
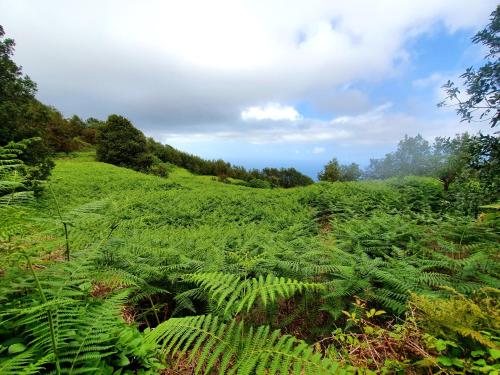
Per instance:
(331,171)
(481,101)
(120,143)
(21,115)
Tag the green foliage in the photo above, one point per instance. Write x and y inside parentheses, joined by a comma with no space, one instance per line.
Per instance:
(468,167)
(190,260)
(236,295)
(120,143)
(463,332)
(59,326)
(18,181)
(238,349)
(333,171)
(283,177)
(258,183)
(481,85)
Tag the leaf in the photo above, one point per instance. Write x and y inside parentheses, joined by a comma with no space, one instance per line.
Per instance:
(445,361)
(495,353)
(440,345)
(123,361)
(458,362)
(477,353)
(17,348)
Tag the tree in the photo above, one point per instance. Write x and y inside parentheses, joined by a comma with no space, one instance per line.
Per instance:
(120,143)
(482,99)
(331,171)
(412,157)
(450,157)
(21,116)
(350,172)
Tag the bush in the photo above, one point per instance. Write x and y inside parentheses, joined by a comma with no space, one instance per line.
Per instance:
(258,183)
(120,143)
(160,168)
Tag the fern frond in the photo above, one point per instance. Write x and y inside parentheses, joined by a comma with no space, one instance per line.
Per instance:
(238,350)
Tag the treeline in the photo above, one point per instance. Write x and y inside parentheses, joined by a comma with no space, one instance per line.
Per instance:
(468,166)
(119,142)
(37,131)
(267,177)
(31,132)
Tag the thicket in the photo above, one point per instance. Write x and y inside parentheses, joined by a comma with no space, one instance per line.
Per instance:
(333,171)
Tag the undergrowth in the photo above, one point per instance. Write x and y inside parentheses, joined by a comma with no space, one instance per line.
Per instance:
(114,271)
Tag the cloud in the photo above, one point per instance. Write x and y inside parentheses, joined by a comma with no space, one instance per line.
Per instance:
(380,126)
(344,101)
(199,71)
(318,150)
(271,111)
(429,81)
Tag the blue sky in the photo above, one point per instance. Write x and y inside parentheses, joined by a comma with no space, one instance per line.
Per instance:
(257,83)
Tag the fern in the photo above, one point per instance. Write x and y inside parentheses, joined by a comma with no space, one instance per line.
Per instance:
(232,348)
(240,295)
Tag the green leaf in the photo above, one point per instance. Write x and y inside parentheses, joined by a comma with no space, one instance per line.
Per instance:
(477,353)
(495,353)
(445,361)
(458,362)
(17,348)
(123,361)
(440,345)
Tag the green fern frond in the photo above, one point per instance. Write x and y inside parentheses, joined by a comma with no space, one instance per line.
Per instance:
(230,348)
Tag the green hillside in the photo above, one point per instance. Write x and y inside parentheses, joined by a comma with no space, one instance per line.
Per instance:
(187,273)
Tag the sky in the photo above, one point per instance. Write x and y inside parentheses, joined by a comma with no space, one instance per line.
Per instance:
(257,83)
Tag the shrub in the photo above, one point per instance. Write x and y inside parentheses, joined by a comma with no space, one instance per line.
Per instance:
(120,143)
(258,183)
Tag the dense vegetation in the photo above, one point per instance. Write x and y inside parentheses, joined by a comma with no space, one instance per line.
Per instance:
(109,270)
(190,273)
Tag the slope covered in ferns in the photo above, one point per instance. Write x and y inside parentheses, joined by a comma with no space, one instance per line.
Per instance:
(189,274)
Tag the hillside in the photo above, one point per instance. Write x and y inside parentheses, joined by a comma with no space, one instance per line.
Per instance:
(187,263)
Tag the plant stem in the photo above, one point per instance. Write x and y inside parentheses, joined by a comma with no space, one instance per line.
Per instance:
(67,240)
(154,310)
(65,225)
(49,314)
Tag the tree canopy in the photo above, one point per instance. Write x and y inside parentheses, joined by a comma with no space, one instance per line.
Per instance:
(120,143)
(333,171)
(481,100)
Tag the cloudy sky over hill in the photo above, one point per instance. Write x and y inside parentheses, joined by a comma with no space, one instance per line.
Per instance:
(254,82)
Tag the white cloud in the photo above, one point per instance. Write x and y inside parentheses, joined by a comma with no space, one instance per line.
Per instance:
(183,71)
(429,81)
(370,116)
(271,111)
(173,64)
(318,150)
(377,127)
